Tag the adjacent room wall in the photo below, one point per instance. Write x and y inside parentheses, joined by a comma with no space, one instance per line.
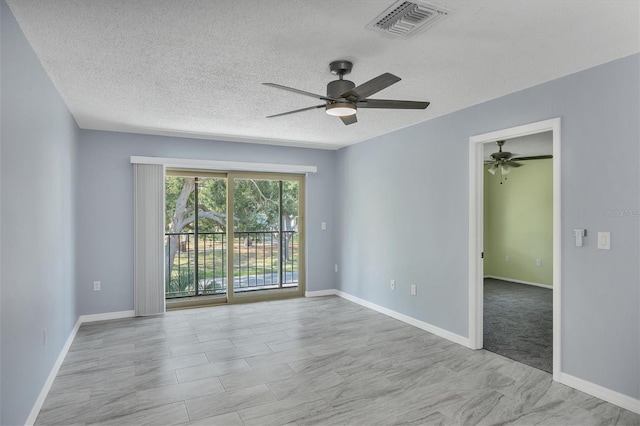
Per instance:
(404,214)
(518,223)
(37,268)
(105,207)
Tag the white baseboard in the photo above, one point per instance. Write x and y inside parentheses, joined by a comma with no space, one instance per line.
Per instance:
(33,415)
(456,338)
(37,406)
(621,400)
(464,341)
(617,398)
(550,287)
(106,316)
(598,391)
(320,293)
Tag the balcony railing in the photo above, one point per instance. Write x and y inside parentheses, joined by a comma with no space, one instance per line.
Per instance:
(261,259)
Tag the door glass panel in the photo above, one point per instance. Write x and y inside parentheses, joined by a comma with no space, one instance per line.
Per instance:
(212,230)
(195,238)
(265,239)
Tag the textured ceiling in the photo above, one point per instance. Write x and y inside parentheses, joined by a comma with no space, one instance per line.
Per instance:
(194,68)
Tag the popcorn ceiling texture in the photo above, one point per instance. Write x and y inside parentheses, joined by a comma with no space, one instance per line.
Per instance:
(194,68)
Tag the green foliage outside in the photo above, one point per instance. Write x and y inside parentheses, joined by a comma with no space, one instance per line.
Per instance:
(256,212)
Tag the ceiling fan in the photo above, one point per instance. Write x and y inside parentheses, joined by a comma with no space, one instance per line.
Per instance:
(504,161)
(343,97)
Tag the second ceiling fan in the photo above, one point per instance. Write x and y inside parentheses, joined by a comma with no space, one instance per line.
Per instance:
(343,98)
(504,161)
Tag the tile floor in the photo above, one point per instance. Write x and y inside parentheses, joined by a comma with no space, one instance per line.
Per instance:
(321,360)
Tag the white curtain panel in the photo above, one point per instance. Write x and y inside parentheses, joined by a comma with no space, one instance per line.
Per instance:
(149,296)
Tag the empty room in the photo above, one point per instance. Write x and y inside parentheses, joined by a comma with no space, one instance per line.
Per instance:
(319,212)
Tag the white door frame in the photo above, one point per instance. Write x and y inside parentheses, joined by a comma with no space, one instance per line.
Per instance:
(476,228)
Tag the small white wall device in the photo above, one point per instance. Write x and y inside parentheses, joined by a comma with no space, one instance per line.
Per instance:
(604,240)
(579,234)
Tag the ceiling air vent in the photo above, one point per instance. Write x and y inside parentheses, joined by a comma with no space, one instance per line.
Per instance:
(404,18)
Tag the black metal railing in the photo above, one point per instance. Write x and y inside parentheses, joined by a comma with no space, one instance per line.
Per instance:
(261,259)
(183,270)
(265,260)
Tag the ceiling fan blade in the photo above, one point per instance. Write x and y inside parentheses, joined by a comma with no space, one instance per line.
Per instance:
(372,86)
(513,164)
(301,92)
(349,119)
(535,157)
(391,104)
(297,110)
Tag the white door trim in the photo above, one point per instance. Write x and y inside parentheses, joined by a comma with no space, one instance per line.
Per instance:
(476,220)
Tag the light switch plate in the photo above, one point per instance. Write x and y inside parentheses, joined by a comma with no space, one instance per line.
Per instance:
(604,240)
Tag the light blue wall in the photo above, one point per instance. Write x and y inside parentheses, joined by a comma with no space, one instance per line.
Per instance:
(38,232)
(403,212)
(105,207)
(401,200)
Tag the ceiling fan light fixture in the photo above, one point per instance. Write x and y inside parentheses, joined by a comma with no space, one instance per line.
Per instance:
(341,109)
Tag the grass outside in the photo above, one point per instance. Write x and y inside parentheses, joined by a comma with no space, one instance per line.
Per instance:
(259,258)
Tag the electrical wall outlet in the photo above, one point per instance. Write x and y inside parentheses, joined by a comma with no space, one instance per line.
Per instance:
(604,240)
(414,290)
(506,258)
(538,262)
(96,286)
(393,284)
(323,226)
(335,267)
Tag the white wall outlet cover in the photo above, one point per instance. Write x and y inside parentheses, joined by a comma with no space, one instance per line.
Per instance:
(323,226)
(414,290)
(393,284)
(96,286)
(604,240)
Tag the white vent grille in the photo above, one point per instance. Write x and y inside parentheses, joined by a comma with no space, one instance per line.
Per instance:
(405,18)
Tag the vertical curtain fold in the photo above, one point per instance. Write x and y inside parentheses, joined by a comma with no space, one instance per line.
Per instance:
(149,298)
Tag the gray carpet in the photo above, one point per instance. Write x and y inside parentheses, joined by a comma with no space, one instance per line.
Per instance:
(518,322)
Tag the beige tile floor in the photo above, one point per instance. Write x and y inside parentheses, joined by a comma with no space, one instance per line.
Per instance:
(302,361)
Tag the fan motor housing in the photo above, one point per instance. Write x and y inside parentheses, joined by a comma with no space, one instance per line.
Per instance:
(336,88)
(501,155)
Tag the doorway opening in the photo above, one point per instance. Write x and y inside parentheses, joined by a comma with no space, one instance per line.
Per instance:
(518,249)
(486,253)
(232,237)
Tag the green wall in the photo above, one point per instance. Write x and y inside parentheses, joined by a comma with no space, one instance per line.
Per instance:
(518,222)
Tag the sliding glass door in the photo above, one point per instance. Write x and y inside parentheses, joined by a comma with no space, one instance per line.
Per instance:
(263,231)
(195,238)
(266,237)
